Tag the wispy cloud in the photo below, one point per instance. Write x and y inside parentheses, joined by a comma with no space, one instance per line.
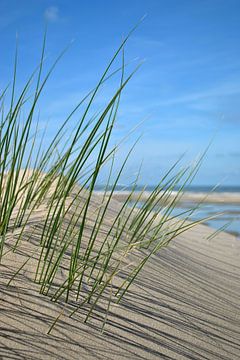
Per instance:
(145,41)
(52,14)
(225,89)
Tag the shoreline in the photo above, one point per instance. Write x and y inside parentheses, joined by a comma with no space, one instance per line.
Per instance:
(188,196)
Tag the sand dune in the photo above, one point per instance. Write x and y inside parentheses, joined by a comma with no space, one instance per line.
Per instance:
(185,304)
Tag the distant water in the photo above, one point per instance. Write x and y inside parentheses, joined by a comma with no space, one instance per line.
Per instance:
(230,221)
(191,188)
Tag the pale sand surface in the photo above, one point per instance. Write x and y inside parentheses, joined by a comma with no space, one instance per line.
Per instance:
(184,305)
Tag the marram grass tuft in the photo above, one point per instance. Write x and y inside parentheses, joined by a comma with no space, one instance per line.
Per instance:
(87,247)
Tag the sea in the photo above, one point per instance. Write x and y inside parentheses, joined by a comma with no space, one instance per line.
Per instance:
(228,221)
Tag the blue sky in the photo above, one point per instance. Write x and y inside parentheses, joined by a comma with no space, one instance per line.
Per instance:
(187,90)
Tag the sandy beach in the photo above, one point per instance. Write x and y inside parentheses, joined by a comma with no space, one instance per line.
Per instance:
(185,304)
(91,266)
(119,180)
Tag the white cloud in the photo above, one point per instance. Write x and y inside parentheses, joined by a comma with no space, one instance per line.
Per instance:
(52,13)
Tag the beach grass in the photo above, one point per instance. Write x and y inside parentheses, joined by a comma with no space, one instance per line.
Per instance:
(82,256)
